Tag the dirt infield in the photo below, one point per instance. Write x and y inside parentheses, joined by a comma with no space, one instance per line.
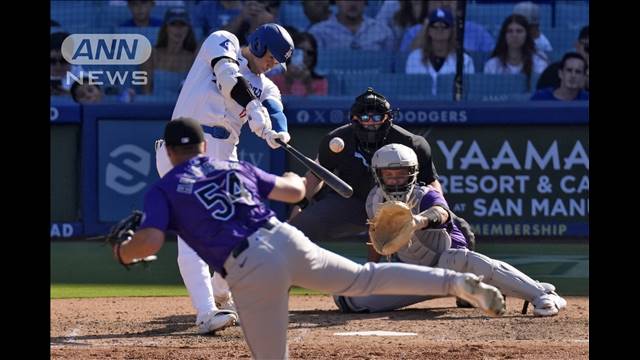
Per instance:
(163,328)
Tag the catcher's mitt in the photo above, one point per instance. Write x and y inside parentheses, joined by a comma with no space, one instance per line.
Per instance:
(123,231)
(391,228)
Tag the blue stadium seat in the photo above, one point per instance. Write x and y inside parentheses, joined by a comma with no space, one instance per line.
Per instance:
(111,16)
(352,61)
(492,15)
(335,84)
(444,85)
(73,15)
(491,87)
(393,85)
(150,33)
(153,98)
(562,39)
(479,59)
(489,15)
(400,62)
(167,82)
(62,99)
(572,15)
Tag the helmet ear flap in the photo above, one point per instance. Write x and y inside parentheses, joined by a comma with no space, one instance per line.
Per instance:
(256,46)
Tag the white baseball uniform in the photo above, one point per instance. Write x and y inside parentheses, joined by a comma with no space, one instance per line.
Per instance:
(200,99)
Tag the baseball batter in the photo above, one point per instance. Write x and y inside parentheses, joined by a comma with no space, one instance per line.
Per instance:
(225,88)
(439,243)
(218,208)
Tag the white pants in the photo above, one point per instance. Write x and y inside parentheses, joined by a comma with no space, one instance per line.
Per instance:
(202,287)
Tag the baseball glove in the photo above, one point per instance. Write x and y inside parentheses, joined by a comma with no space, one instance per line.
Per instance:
(123,231)
(391,228)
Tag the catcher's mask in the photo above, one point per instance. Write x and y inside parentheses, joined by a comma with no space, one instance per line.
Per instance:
(371,116)
(396,156)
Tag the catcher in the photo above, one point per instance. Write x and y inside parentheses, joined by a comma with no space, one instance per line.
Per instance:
(413,222)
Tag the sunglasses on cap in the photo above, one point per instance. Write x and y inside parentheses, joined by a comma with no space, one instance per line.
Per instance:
(370,118)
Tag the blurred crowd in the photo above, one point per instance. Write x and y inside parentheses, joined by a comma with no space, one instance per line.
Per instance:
(423,34)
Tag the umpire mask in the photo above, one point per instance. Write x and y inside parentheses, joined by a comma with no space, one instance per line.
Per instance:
(371,118)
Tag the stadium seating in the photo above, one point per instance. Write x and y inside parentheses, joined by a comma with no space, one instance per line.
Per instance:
(400,85)
(348,71)
(165,82)
(150,33)
(353,61)
(572,15)
(490,87)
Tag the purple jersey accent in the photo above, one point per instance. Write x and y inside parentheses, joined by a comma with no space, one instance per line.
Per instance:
(433,197)
(212,205)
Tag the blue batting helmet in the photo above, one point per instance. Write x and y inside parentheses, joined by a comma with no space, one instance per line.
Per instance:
(273,37)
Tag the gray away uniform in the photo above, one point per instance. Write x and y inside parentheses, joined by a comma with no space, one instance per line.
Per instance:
(433,247)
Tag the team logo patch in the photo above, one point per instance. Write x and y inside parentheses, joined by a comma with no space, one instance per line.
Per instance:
(225,44)
(288,54)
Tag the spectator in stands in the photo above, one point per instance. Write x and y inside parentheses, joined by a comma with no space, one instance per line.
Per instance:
(438,53)
(410,13)
(84,92)
(316,10)
(572,74)
(300,79)
(141,14)
(549,77)
(351,29)
(531,12)
(476,36)
(176,46)
(212,16)
(515,51)
(253,14)
(60,83)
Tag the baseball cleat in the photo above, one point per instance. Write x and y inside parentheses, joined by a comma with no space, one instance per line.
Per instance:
(470,288)
(227,303)
(548,304)
(215,321)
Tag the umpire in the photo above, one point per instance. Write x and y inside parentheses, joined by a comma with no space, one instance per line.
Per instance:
(328,216)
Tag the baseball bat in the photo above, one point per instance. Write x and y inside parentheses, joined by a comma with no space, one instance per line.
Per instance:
(321,172)
(460,15)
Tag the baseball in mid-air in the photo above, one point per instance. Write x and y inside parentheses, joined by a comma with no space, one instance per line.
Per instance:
(336,144)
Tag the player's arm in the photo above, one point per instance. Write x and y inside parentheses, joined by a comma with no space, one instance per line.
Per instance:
(288,188)
(432,217)
(434,211)
(234,86)
(149,238)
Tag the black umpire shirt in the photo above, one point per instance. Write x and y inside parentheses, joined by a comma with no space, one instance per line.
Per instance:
(353,165)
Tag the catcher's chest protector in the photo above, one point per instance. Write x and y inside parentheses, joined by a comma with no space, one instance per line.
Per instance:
(415,252)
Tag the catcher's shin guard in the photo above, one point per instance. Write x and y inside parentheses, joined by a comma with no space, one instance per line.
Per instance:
(346,306)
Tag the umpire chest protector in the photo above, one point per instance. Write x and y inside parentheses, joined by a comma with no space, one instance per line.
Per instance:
(353,165)
(426,245)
